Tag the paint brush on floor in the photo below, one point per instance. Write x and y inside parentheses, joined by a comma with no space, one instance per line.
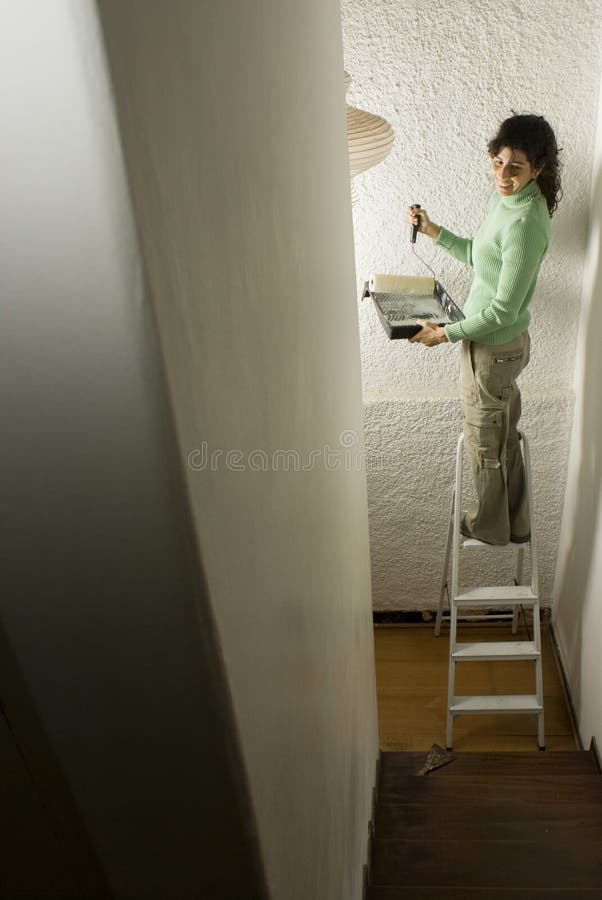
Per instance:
(436,758)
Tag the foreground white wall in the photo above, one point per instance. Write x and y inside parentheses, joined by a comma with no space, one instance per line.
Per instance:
(444,75)
(233,122)
(578,607)
(105,606)
(110,672)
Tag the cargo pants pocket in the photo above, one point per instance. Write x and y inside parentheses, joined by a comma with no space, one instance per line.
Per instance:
(485,441)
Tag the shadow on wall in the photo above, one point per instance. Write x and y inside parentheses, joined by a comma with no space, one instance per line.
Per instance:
(581,534)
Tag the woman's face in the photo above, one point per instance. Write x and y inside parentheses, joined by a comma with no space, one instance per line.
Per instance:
(511,171)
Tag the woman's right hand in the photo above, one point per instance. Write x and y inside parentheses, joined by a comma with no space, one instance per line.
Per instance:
(420,218)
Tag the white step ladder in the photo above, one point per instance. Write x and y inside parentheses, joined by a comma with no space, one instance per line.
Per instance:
(511,597)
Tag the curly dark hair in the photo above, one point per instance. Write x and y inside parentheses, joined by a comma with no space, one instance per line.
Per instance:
(534,136)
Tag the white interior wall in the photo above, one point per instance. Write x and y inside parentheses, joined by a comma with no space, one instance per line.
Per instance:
(233,122)
(110,677)
(444,75)
(247,230)
(578,605)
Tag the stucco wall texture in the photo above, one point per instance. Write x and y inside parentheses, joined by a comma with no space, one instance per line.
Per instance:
(444,75)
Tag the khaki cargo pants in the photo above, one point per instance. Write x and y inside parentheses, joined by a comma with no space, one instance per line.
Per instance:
(491,408)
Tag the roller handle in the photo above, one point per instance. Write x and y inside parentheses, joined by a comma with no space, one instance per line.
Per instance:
(414,227)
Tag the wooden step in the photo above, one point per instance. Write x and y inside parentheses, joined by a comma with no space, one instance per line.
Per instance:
(503,820)
(487,864)
(523,791)
(503,595)
(497,650)
(567,762)
(496,703)
(481,893)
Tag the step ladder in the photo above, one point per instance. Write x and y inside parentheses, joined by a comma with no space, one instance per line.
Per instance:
(506,600)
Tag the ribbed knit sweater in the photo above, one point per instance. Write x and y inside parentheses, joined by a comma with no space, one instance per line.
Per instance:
(506,253)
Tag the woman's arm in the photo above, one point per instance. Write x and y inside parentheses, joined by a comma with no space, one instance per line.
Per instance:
(460,248)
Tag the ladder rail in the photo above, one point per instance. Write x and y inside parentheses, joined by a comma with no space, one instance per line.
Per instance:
(456,525)
(528,479)
(444,578)
(535,589)
(453,608)
(518,580)
(451,677)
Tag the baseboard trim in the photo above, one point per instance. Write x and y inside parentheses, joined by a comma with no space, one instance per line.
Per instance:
(559,658)
(403,617)
(427,616)
(561,663)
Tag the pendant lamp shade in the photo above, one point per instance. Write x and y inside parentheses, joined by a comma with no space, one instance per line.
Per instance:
(369,140)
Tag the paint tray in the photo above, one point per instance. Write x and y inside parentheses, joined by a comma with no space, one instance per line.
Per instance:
(398,311)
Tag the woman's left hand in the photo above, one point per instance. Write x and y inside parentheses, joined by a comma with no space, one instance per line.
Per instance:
(430,335)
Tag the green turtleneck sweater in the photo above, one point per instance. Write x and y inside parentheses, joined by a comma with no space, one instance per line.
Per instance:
(506,253)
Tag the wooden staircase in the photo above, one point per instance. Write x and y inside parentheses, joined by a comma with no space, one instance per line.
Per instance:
(488,826)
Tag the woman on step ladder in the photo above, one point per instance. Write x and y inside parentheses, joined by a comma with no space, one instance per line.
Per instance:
(505,253)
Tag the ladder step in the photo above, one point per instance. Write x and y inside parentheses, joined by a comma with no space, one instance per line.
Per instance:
(496,650)
(496,703)
(483,596)
(473,544)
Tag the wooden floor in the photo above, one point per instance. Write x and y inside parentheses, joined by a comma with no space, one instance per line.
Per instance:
(411,678)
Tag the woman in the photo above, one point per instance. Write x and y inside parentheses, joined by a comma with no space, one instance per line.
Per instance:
(505,253)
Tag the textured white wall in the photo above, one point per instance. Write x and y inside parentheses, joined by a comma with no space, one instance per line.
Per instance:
(233,122)
(444,75)
(578,606)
